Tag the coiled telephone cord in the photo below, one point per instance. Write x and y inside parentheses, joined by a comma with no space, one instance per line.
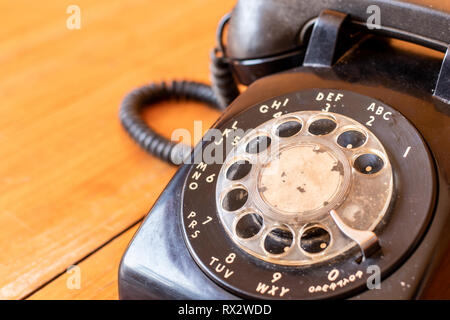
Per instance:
(219,95)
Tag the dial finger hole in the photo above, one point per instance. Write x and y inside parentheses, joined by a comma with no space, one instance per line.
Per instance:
(249,225)
(278,241)
(368,163)
(288,128)
(235,199)
(315,239)
(351,139)
(258,144)
(238,170)
(321,127)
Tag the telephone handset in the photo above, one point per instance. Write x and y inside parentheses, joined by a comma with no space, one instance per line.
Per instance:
(326,178)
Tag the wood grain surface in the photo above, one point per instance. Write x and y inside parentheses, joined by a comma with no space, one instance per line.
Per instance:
(97,274)
(71,179)
(73,187)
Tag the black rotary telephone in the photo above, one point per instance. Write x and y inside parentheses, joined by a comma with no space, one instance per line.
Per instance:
(328,177)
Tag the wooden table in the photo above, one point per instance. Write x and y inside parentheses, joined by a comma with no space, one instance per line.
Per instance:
(74,188)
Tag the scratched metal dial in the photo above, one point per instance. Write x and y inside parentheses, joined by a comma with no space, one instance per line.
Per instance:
(278,185)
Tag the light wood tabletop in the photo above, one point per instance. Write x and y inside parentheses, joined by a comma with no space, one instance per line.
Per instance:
(74,187)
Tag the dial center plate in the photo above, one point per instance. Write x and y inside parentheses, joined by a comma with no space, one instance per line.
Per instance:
(301,178)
